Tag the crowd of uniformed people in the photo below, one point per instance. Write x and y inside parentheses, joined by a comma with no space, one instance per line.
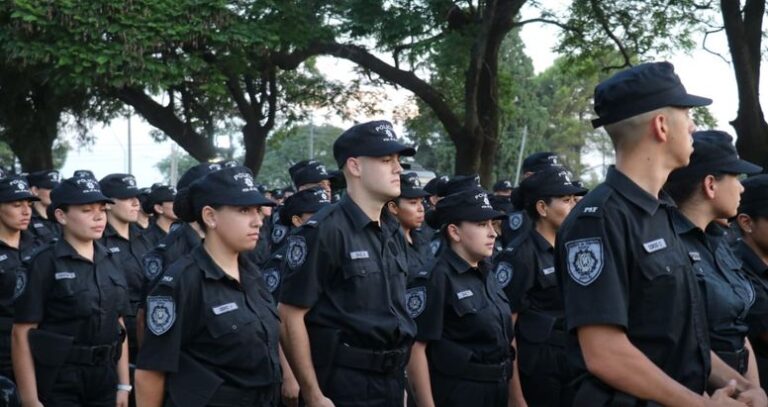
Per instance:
(361,287)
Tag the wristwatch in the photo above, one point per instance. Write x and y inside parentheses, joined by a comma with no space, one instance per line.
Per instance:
(124,387)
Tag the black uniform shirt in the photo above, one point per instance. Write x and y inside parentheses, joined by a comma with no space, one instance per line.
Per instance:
(456,302)
(274,268)
(229,327)
(757,271)
(726,292)
(71,295)
(419,252)
(621,263)
(130,253)
(351,272)
(527,273)
(44,230)
(181,239)
(153,234)
(12,279)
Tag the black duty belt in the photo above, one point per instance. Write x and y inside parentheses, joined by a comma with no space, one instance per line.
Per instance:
(481,372)
(381,361)
(100,355)
(233,396)
(6,324)
(738,360)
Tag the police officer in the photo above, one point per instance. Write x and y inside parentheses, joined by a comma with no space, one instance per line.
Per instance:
(630,296)
(503,188)
(124,239)
(408,208)
(517,224)
(41,183)
(450,186)
(145,214)
(753,251)
(706,190)
(462,355)
(212,327)
(345,327)
(69,346)
(527,273)
(296,211)
(16,244)
(160,201)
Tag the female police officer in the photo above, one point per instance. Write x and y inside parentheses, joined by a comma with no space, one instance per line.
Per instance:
(212,326)
(526,270)
(69,345)
(706,190)
(408,208)
(462,355)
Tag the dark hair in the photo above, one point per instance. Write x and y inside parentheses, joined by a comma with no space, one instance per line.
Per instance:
(187,210)
(530,207)
(682,188)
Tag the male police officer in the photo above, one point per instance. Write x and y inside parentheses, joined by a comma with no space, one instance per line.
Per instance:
(630,295)
(342,302)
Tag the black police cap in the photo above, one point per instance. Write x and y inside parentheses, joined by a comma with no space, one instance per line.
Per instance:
(754,199)
(501,203)
(48,179)
(371,139)
(161,193)
(458,183)
(83,174)
(233,186)
(277,193)
(551,182)
(472,205)
(15,188)
(714,153)
(195,173)
(308,172)
(434,184)
(228,163)
(502,185)
(539,161)
(144,202)
(119,186)
(641,89)
(77,191)
(306,201)
(410,186)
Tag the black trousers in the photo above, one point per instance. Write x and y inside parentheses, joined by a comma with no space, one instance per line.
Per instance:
(348,387)
(83,386)
(450,391)
(544,374)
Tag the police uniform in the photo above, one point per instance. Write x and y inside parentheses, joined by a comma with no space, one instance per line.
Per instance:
(305,201)
(12,279)
(451,186)
(76,304)
(621,262)
(350,272)
(418,250)
(43,229)
(157,195)
(464,317)
(215,337)
(527,272)
(754,202)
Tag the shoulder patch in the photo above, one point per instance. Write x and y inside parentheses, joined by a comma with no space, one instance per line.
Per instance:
(21,283)
(416,301)
(434,246)
(296,253)
(585,259)
(271,279)
(161,314)
(278,233)
(515,220)
(153,264)
(503,273)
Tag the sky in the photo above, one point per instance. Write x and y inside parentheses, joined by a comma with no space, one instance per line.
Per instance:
(702,73)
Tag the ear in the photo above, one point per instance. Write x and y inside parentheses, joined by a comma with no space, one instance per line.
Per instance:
(541,208)
(296,221)
(60,216)
(453,233)
(660,127)
(709,187)
(392,207)
(209,216)
(353,166)
(745,222)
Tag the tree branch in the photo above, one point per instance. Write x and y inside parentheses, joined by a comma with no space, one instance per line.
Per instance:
(233,85)
(705,48)
(601,19)
(547,21)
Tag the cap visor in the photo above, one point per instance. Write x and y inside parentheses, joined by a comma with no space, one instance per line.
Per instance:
(478,215)
(396,148)
(692,101)
(251,199)
(743,167)
(20,197)
(412,193)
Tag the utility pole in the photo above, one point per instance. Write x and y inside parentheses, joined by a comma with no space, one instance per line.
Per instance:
(311,136)
(520,155)
(174,165)
(130,146)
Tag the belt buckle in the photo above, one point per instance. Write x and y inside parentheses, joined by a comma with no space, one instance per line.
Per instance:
(100,354)
(390,361)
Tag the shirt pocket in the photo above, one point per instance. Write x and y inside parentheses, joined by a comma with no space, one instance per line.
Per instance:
(468,306)
(663,290)
(70,299)
(238,329)
(364,285)
(546,277)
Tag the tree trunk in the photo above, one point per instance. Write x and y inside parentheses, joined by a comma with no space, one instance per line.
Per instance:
(35,149)
(255,140)
(467,155)
(744,33)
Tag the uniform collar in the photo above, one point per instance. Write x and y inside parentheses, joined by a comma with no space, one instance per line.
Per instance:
(541,244)
(211,270)
(62,249)
(682,224)
(460,265)
(359,219)
(751,259)
(633,193)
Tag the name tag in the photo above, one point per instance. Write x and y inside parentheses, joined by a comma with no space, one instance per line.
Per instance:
(695,256)
(37,225)
(362,254)
(167,279)
(547,271)
(114,249)
(655,245)
(4,257)
(64,275)
(221,309)
(464,294)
